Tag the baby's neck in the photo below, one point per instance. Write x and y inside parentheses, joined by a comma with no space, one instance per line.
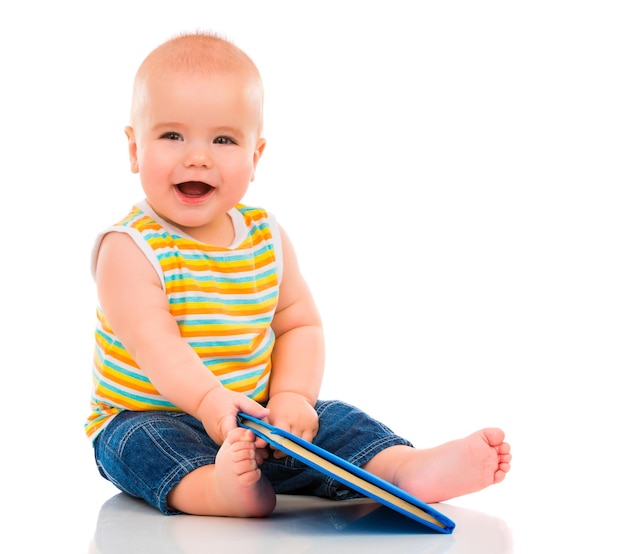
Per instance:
(220,233)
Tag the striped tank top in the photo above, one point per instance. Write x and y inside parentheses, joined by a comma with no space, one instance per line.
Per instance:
(223,300)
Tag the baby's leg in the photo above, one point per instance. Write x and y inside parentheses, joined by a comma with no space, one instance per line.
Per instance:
(446,471)
(233,486)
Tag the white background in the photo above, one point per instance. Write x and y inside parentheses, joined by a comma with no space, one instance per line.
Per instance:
(452,174)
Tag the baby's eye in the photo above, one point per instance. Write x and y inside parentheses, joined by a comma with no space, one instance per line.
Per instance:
(171,135)
(223,140)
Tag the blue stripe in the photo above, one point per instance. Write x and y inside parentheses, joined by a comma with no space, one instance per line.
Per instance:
(109,339)
(213,343)
(154,235)
(251,254)
(144,399)
(108,363)
(249,375)
(230,301)
(198,322)
(240,359)
(215,279)
(258,389)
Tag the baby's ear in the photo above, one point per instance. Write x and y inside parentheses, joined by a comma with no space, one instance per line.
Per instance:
(132,149)
(258,152)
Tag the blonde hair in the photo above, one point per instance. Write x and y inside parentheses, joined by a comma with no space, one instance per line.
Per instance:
(192,53)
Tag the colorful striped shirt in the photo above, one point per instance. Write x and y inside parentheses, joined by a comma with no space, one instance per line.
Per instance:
(223,300)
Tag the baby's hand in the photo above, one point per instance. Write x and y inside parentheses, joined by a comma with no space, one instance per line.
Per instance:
(292,412)
(218,412)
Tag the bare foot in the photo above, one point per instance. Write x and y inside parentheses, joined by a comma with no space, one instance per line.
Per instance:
(458,467)
(237,479)
(452,469)
(232,486)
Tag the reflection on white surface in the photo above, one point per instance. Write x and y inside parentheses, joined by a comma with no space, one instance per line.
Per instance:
(298,525)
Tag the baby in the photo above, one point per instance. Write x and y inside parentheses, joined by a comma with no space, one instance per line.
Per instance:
(203,313)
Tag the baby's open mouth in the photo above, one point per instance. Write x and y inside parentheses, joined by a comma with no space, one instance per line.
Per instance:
(194,189)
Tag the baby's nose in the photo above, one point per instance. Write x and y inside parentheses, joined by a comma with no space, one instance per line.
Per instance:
(198,156)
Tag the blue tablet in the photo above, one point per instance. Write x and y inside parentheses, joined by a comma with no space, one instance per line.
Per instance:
(350,475)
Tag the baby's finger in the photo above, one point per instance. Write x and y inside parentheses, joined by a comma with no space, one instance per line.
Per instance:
(308,435)
(278,454)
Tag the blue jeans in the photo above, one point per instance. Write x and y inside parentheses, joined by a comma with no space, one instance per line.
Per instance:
(145,454)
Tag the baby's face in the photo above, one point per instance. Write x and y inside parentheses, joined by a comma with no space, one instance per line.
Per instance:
(195,141)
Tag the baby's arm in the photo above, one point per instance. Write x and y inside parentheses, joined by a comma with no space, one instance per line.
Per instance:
(137,310)
(298,356)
